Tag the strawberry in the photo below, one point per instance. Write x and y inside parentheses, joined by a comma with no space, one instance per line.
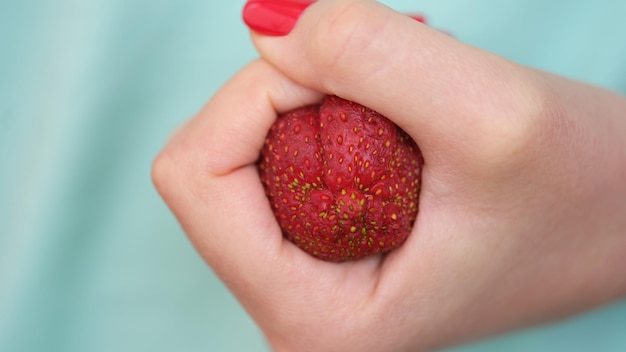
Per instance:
(342,180)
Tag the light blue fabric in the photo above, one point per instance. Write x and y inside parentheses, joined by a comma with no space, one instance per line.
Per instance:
(90,257)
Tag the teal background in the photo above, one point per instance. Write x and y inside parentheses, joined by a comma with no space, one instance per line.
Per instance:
(90,257)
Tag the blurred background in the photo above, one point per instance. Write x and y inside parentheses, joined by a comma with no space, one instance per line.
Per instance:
(90,257)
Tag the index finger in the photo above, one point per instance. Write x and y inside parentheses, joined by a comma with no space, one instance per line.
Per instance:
(207,173)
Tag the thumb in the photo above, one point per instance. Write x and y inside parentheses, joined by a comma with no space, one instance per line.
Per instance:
(441,91)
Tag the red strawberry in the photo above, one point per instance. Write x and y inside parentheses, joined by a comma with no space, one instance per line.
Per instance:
(343,180)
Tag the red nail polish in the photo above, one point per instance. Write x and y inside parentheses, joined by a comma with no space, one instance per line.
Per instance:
(418,18)
(273,17)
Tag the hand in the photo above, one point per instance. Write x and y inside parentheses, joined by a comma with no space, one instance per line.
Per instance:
(522,207)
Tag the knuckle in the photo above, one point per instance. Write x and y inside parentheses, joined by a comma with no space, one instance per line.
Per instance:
(342,37)
(513,136)
(170,170)
(161,172)
(177,179)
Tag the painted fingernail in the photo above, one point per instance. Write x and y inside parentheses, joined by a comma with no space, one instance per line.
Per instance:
(418,18)
(273,17)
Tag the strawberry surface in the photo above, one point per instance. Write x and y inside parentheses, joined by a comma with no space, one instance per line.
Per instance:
(342,180)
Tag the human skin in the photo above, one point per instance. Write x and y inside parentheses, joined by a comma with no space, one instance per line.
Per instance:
(522,216)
